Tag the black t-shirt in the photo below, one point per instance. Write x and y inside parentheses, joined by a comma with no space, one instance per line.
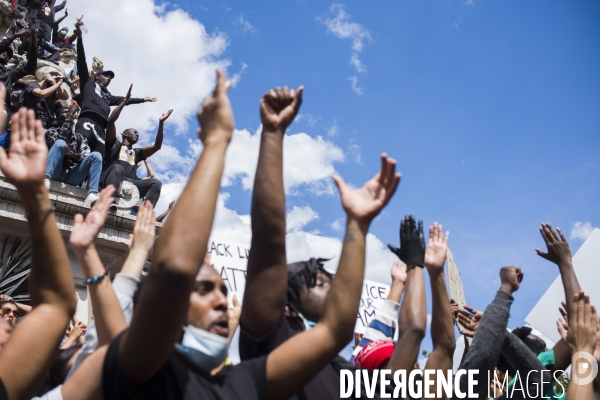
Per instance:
(325,385)
(42,107)
(116,152)
(176,381)
(3,394)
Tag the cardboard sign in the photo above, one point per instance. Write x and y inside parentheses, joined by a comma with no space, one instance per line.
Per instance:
(455,286)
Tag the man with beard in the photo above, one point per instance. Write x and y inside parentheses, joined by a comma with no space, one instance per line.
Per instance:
(95,100)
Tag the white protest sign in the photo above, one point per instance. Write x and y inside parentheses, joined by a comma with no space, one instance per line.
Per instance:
(586,263)
(230,260)
(373,295)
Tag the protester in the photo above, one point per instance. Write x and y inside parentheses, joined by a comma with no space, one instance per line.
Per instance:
(43,16)
(581,336)
(70,160)
(122,158)
(95,99)
(9,76)
(50,284)
(43,97)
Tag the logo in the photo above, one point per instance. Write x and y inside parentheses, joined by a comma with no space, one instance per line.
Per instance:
(584,372)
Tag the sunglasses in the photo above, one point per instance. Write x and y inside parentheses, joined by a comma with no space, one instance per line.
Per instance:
(7,311)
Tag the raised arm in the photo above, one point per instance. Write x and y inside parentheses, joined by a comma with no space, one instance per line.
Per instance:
(144,234)
(107,311)
(312,350)
(153,148)
(180,249)
(29,68)
(581,338)
(82,67)
(559,253)
(266,282)
(412,320)
(442,324)
(111,128)
(50,284)
(43,93)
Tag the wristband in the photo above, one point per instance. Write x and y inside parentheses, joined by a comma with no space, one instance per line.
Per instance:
(96,279)
(41,209)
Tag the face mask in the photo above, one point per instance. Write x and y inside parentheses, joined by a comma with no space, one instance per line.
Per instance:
(205,350)
(309,324)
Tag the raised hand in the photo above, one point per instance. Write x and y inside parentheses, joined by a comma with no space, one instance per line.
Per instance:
(511,278)
(149,99)
(583,325)
(78,24)
(85,230)
(412,242)
(165,116)
(365,203)
(26,165)
(398,272)
(279,107)
(216,116)
(437,248)
(234,313)
(454,308)
(144,231)
(558,251)
(470,319)
(128,95)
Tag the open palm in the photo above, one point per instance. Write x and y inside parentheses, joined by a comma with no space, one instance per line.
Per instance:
(437,248)
(85,230)
(26,164)
(365,203)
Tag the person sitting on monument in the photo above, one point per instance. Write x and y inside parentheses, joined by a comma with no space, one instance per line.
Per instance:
(43,97)
(9,76)
(24,359)
(95,99)
(70,160)
(122,158)
(43,16)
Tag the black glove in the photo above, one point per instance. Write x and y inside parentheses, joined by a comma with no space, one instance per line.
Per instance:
(412,243)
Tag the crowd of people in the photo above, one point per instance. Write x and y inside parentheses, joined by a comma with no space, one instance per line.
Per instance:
(73,105)
(165,333)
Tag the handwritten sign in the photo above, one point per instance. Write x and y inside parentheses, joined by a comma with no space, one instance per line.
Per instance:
(457,292)
(230,260)
(373,295)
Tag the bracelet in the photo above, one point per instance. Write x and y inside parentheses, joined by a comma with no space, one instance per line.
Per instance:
(37,210)
(96,279)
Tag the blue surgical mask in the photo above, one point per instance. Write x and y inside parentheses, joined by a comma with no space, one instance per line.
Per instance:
(309,324)
(205,350)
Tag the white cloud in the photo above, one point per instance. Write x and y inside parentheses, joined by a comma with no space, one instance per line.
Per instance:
(244,25)
(342,28)
(337,225)
(469,3)
(334,129)
(307,161)
(354,151)
(354,60)
(307,118)
(298,217)
(354,85)
(235,78)
(180,73)
(581,230)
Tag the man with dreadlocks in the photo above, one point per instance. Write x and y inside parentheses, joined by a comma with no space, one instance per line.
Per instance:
(281,300)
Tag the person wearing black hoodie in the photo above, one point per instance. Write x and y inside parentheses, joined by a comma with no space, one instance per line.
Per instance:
(95,100)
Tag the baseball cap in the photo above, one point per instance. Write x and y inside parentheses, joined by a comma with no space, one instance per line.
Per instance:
(373,355)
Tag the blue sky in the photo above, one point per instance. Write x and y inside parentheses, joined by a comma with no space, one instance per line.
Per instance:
(490,107)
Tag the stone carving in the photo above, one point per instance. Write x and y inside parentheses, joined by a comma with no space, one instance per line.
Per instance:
(97,65)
